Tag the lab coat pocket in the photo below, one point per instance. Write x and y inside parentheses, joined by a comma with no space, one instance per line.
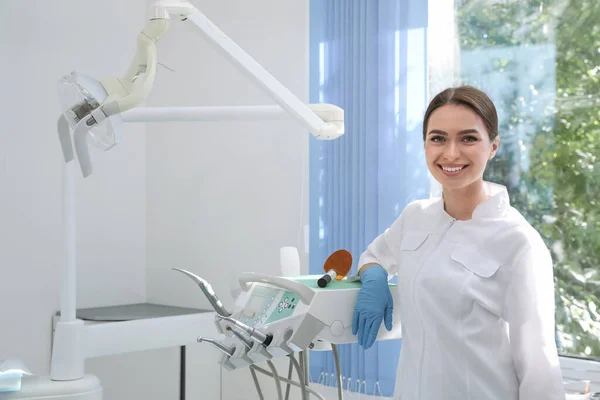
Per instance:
(475,262)
(413,240)
(484,281)
(413,251)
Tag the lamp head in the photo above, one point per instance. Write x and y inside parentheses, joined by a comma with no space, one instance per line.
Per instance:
(81,99)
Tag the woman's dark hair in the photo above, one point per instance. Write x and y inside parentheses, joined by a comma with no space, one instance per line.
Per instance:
(471,98)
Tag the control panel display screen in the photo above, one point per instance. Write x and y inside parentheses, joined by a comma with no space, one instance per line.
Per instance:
(268,304)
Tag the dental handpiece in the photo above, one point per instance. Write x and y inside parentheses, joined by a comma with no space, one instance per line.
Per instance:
(256,335)
(208,292)
(241,336)
(227,350)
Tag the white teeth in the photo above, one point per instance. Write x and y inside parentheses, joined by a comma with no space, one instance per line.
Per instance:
(449,169)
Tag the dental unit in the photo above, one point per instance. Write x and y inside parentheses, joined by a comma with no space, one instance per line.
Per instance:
(280,316)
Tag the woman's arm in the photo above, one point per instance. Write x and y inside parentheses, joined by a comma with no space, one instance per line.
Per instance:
(375,303)
(380,252)
(364,267)
(529,311)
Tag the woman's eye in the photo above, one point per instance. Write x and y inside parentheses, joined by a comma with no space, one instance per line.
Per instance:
(437,139)
(470,139)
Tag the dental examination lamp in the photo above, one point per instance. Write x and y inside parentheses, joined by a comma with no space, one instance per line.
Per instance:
(96,110)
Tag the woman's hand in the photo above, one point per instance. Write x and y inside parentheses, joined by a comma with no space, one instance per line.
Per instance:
(373,305)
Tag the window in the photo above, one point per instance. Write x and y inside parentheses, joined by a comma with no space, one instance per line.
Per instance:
(540,63)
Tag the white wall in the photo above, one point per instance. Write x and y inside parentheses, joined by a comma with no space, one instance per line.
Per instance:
(223,197)
(39,42)
(214,198)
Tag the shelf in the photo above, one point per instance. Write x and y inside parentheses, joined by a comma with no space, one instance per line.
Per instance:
(129,312)
(139,327)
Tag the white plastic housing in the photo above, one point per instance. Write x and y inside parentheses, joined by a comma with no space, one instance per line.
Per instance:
(67,351)
(42,388)
(313,321)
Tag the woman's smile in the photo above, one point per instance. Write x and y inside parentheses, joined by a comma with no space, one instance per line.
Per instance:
(452,169)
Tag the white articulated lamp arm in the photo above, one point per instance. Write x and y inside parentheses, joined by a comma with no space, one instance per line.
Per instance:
(132,89)
(246,64)
(327,112)
(123,93)
(324,121)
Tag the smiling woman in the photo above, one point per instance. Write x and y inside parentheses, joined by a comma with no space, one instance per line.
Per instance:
(475,280)
(460,133)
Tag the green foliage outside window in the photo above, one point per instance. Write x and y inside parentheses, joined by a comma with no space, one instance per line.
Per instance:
(559,189)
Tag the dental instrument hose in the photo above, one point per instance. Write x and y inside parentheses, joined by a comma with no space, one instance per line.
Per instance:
(338,370)
(277,380)
(291,382)
(288,386)
(304,363)
(257,384)
(301,376)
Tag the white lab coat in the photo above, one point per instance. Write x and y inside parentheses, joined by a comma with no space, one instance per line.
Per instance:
(476,303)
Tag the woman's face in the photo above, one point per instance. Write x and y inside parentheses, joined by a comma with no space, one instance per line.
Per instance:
(457,146)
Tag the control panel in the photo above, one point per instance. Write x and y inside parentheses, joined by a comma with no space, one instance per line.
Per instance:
(268,304)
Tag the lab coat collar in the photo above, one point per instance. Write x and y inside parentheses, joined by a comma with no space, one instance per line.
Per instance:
(495,206)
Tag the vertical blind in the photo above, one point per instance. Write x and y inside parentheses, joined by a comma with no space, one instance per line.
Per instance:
(368,57)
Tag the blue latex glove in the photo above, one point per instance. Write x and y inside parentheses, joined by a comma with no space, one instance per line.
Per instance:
(373,305)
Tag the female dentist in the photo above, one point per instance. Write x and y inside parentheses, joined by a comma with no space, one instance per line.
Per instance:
(475,280)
